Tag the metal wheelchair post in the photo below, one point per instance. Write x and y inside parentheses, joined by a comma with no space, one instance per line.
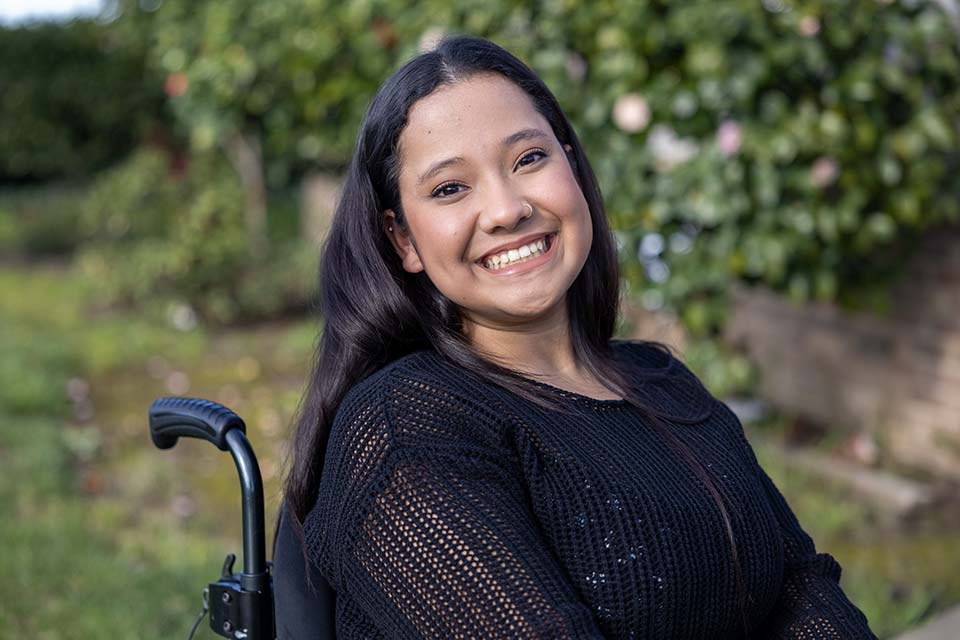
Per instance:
(241,604)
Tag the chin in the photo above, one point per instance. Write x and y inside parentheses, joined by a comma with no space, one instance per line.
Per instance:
(541,309)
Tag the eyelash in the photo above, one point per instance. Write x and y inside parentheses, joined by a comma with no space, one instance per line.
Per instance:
(533,151)
(437,193)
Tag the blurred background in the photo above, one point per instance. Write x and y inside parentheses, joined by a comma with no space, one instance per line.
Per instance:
(781,176)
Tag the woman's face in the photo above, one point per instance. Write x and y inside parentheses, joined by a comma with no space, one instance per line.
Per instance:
(494,214)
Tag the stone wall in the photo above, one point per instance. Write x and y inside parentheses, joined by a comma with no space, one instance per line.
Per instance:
(895,378)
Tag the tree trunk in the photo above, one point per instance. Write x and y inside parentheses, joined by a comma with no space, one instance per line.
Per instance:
(243,151)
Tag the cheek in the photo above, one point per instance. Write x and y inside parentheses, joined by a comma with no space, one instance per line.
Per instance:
(559,188)
(574,212)
(568,198)
(440,237)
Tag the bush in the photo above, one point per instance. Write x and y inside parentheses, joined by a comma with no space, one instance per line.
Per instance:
(797,144)
(151,234)
(40,221)
(74,98)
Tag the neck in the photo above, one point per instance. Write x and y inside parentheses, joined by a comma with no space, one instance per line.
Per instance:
(542,350)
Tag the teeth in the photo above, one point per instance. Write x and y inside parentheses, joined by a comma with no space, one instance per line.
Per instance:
(513,256)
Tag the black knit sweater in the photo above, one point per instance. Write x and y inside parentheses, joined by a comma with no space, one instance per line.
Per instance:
(452,508)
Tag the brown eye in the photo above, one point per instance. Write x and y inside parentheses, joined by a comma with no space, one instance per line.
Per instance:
(446,190)
(532,157)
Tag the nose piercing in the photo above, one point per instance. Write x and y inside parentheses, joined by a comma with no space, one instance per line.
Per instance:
(529,208)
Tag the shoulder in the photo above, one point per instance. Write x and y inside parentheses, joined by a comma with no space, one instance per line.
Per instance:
(652,360)
(661,378)
(419,399)
(416,378)
(648,355)
(415,410)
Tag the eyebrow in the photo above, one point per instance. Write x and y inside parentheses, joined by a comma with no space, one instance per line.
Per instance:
(513,138)
(437,167)
(523,134)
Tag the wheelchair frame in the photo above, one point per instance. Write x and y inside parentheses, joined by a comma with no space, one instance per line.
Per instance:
(242,605)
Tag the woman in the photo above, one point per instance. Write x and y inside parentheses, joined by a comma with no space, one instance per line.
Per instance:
(475,457)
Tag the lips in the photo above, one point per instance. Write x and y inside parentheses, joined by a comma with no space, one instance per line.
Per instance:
(529,243)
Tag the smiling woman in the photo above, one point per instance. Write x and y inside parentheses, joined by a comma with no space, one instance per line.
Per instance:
(501,229)
(475,457)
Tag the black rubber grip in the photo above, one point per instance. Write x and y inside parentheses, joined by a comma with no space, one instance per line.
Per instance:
(172,418)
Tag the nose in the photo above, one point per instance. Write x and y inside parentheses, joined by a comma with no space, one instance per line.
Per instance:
(505,209)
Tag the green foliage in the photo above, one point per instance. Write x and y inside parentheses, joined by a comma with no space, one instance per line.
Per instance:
(152,234)
(797,144)
(299,74)
(805,149)
(40,221)
(134,201)
(73,98)
(35,360)
(33,379)
(723,371)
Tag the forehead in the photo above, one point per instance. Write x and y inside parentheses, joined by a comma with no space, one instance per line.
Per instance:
(466,118)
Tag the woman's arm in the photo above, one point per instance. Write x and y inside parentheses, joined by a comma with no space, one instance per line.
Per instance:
(811,605)
(436,540)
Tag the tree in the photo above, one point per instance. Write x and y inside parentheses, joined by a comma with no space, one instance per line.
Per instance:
(55,122)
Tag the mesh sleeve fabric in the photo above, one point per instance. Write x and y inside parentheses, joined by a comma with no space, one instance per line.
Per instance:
(435,540)
(811,604)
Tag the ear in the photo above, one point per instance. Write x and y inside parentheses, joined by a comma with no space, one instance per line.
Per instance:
(402,243)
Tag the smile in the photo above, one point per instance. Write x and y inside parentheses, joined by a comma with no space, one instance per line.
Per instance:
(518,255)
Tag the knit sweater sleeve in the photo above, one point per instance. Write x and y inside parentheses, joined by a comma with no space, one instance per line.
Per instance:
(422,524)
(811,605)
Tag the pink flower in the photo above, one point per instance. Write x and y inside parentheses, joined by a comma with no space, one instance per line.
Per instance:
(576,67)
(631,113)
(809,26)
(668,149)
(729,137)
(176,84)
(824,171)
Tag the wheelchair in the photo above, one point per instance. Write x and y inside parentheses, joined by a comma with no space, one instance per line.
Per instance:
(286,599)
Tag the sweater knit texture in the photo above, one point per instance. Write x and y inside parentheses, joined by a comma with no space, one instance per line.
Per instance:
(450,507)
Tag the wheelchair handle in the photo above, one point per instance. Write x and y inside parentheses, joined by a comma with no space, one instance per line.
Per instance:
(173,418)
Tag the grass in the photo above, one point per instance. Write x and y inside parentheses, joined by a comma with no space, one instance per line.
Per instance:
(103,535)
(65,573)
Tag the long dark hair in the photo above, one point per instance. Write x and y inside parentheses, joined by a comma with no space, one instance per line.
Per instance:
(367,299)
